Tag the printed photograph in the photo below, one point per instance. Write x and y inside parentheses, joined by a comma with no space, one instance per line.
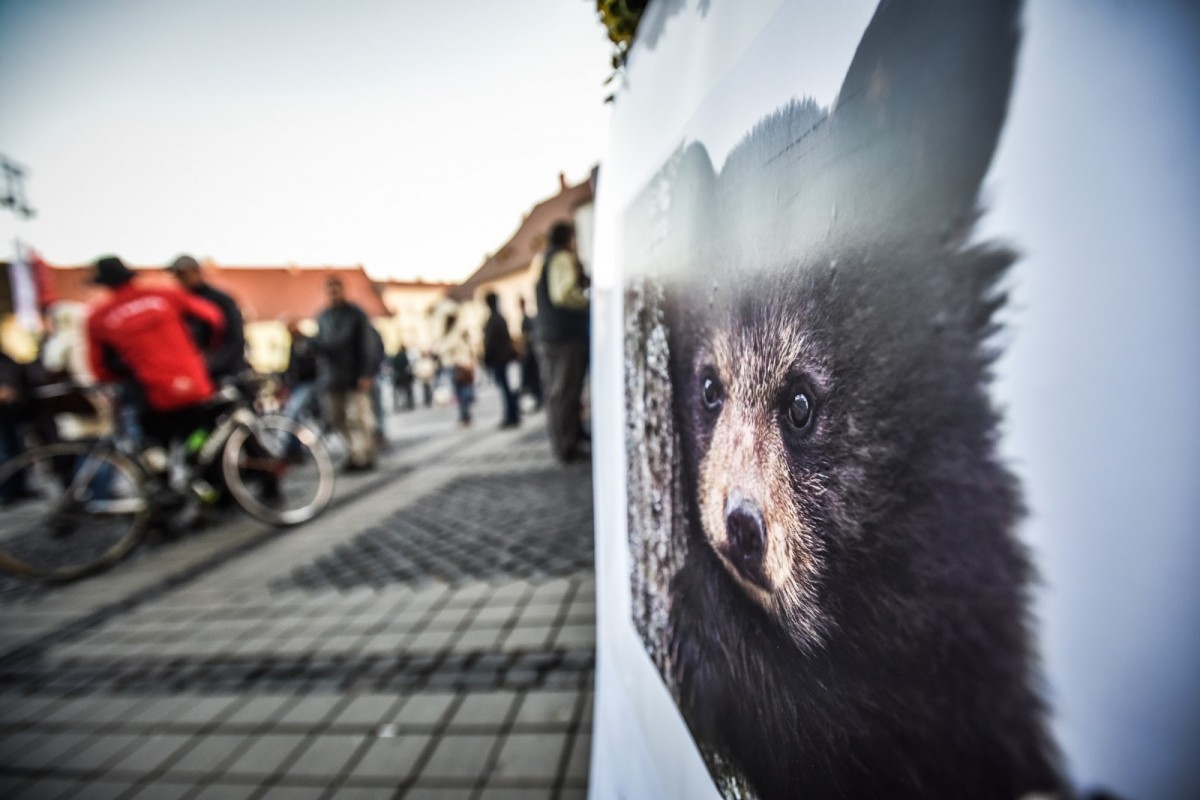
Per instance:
(827,567)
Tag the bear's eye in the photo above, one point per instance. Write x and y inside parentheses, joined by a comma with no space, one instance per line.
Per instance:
(710,391)
(799,410)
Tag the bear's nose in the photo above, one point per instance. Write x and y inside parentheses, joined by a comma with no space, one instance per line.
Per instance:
(747,534)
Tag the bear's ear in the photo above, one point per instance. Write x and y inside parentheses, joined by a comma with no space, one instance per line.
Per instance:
(903,151)
(919,114)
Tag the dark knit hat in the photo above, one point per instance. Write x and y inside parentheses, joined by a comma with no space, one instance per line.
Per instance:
(111,271)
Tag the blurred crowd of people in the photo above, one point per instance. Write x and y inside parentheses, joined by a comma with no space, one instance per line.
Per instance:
(168,349)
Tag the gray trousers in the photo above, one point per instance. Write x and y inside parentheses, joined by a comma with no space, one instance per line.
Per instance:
(354,419)
(564,367)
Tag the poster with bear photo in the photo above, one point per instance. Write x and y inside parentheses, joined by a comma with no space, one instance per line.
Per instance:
(825,560)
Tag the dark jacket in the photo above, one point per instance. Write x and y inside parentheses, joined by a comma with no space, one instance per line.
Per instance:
(228,357)
(555,323)
(345,346)
(498,347)
(302,361)
(401,367)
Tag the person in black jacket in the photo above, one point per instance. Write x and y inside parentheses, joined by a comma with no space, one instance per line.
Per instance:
(226,356)
(563,322)
(349,359)
(498,351)
(14,408)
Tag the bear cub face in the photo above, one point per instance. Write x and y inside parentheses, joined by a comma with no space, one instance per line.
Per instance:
(756,396)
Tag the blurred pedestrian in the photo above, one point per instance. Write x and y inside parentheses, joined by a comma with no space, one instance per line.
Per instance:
(402,379)
(347,366)
(498,353)
(562,333)
(14,418)
(426,372)
(224,348)
(458,362)
(531,375)
(139,336)
(378,366)
(300,377)
(63,358)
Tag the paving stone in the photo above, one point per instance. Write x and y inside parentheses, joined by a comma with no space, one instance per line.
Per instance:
(163,791)
(425,708)
(530,756)
(292,793)
(391,759)
(162,709)
(117,709)
(527,638)
(205,710)
(49,753)
(100,752)
(312,709)
(509,793)
(325,756)
(15,709)
(346,792)
(259,710)
(45,789)
(76,709)
(459,756)
(225,791)
(489,708)
(575,637)
(580,759)
(104,789)
(265,755)
(478,639)
(208,754)
(541,708)
(367,709)
(150,753)
(419,792)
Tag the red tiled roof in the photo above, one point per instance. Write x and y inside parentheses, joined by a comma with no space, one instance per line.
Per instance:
(391,283)
(264,293)
(529,240)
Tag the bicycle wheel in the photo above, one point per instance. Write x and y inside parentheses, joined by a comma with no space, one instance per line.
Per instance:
(278,471)
(69,509)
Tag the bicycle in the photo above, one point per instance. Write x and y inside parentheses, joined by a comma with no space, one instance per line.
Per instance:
(76,507)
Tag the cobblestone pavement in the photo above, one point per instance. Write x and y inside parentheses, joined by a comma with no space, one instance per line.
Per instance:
(431,636)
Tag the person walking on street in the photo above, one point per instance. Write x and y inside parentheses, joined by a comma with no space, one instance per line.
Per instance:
(531,375)
(14,405)
(426,372)
(454,352)
(378,365)
(402,380)
(300,377)
(225,356)
(347,365)
(562,332)
(498,352)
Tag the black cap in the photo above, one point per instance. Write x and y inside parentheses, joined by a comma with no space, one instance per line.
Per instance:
(111,271)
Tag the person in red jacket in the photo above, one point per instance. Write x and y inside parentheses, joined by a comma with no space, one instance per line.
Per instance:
(138,334)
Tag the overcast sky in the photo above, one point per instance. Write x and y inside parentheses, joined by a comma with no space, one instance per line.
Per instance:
(406,136)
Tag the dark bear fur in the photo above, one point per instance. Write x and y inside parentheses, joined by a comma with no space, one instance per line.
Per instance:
(904,667)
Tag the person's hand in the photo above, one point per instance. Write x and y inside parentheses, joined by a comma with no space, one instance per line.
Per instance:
(364,383)
(8,395)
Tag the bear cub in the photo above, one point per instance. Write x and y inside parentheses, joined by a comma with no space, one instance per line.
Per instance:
(851,619)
